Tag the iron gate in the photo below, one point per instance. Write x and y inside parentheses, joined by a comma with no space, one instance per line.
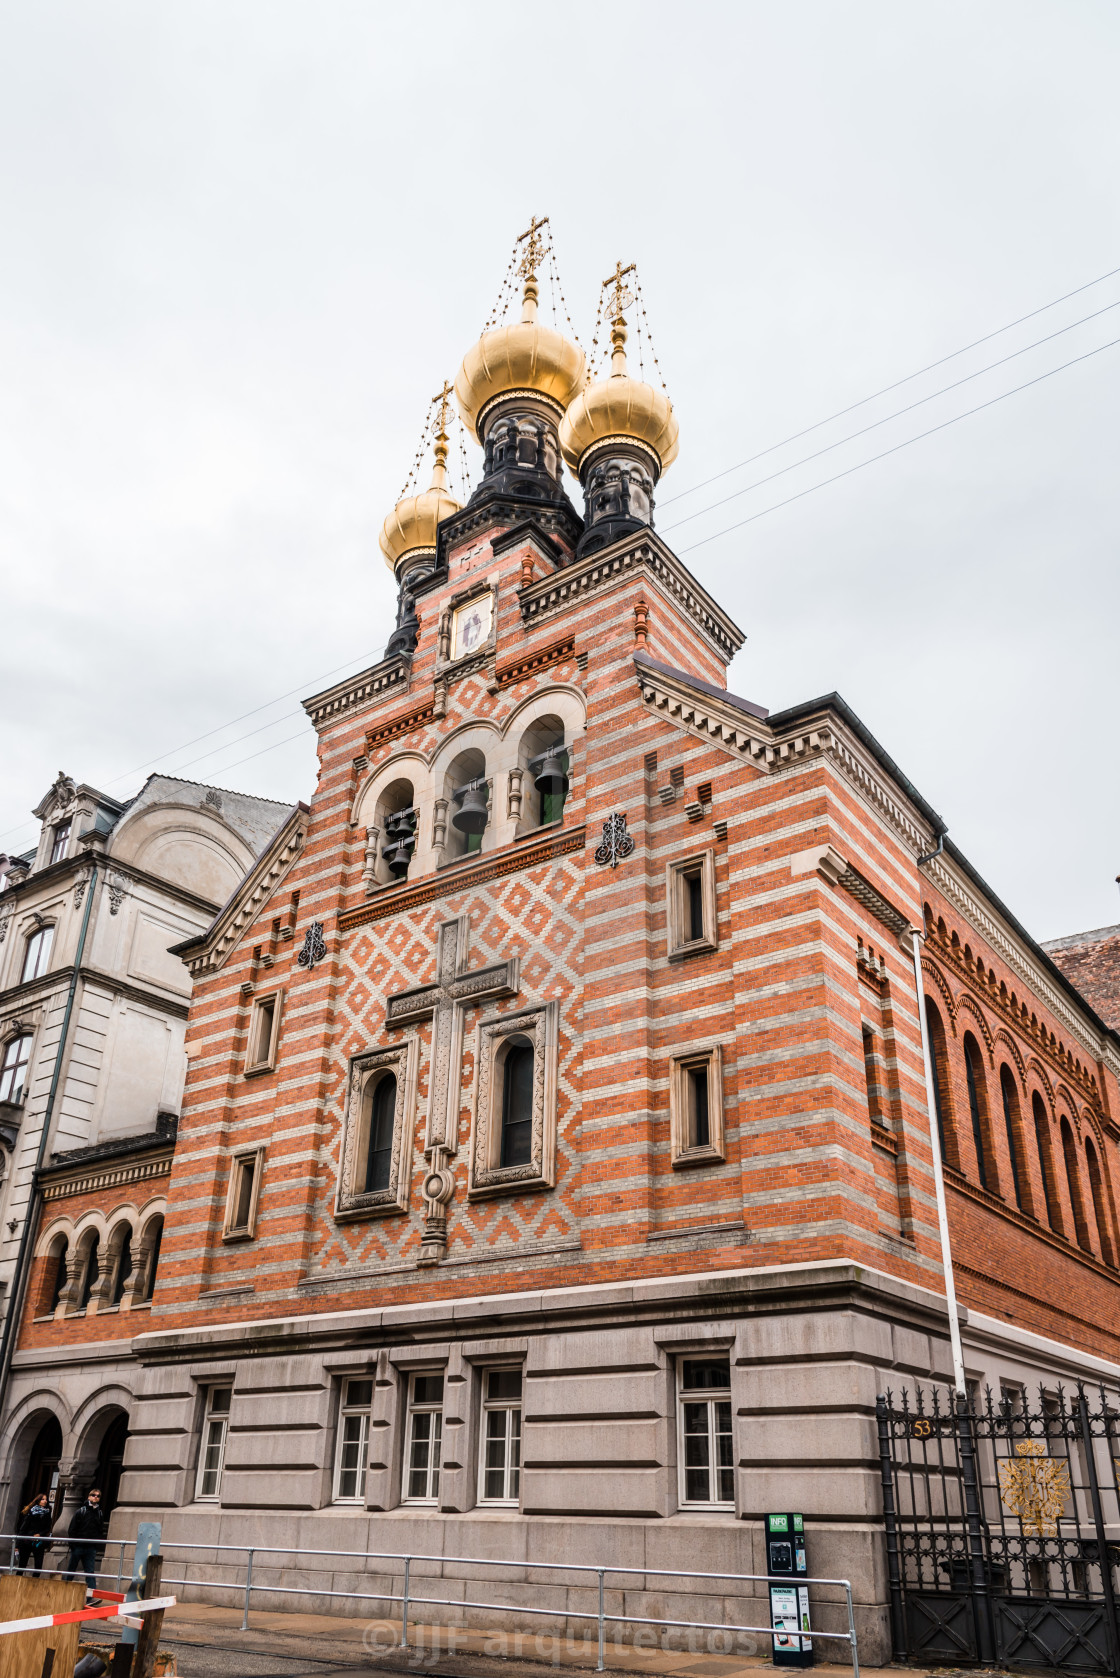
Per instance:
(1003,1527)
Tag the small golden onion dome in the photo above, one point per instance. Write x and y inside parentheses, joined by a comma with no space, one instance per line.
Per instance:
(622,407)
(412,525)
(525,356)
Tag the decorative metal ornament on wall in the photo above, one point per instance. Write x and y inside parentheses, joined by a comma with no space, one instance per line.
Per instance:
(617,843)
(314,945)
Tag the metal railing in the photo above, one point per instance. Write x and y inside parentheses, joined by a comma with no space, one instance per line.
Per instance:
(411,1601)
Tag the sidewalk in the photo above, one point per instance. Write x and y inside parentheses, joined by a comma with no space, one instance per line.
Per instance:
(208,1643)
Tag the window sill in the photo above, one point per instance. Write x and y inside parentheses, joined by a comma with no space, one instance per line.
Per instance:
(256,1071)
(233,1236)
(698,1156)
(695,947)
(535,832)
(357,1206)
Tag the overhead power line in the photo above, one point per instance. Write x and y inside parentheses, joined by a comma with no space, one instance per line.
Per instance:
(875,424)
(886,389)
(858,467)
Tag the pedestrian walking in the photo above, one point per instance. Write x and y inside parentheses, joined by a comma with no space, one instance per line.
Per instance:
(87,1532)
(33,1531)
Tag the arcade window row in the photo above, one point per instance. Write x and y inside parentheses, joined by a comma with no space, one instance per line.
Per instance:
(81,1275)
(705,1439)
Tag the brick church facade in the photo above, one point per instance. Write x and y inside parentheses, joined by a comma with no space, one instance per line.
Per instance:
(555,1147)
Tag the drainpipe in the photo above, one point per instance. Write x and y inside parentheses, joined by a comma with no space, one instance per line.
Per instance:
(916,941)
(23,1257)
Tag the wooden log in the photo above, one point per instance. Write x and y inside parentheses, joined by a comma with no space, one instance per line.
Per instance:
(144,1659)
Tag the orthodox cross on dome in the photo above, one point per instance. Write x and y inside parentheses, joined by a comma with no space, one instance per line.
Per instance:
(623,296)
(533,254)
(444,1003)
(439,426)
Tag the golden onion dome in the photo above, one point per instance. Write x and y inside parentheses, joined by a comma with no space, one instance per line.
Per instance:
(619,407)
(523,357)
(414,522)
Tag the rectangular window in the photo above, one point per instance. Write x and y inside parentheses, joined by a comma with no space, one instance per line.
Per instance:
(213,1453)
(696,1107)
(353,1442)
(691,905)
(244,1188)
(13,1067)
(707,1455)
(501,1437)
(424,1439)
(60,841)
(37,953)
(261,1053)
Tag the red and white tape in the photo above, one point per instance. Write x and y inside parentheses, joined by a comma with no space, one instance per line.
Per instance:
(110,1610)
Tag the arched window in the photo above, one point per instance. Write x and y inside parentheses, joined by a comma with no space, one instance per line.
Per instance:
(517,1103)
(89,1273)
(149,1259)
(395,819)
(1096,1187)
(382,1098)
(122,1263)
(13,1067)
(936,1033)
(546,764)
(1019,1180)
(1046,1163)
(37,953)
(978,1112)
(468,795)
(54,1279)
(1073,1184)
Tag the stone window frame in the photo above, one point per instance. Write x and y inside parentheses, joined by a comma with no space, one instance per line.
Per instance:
(267,1061)
(411,1408)
(680,941)
(702,1353)
(346,1408)
(401,1060)
(684,1151)
(540,1024)
(447,663)
(240,1158)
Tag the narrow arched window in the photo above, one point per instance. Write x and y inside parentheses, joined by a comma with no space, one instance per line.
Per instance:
(124,1265)
(153,1240)
(1010,1122)
(36,954)
(517,1103)
(936,1033)
(1096,1187)
(977,1107)
(56,1279)
(379,1147)
(1046,1163)
(1073,1184)
(89,1273)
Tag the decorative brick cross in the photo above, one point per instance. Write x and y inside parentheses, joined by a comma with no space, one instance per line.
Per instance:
(444,1003)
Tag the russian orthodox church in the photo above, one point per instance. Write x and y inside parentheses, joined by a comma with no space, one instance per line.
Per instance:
(555,1149)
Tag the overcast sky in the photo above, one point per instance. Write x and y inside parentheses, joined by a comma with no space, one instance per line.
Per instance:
(242,243)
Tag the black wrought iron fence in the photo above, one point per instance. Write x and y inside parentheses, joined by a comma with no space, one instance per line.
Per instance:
(1003,1526)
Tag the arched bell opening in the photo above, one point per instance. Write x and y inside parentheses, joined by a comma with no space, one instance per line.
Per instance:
(396,819)
(545,763)
(468,804)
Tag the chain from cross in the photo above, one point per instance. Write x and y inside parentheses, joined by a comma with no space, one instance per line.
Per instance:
(623,296)
(534,251)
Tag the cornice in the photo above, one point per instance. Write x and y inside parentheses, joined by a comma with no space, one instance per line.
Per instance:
(89,1181)
(823,736)
(992,1203)
(512,670)
(390,676)
(403,723)
(209,952)
(552,518)
(396,900)
(645,555)
(956,890)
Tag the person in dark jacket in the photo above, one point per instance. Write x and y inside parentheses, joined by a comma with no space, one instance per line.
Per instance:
(87,1532)
(32,1531)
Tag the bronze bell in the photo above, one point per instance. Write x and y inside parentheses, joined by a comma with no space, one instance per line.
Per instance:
(471,815)
(400,834)
(550,777)
(398,855)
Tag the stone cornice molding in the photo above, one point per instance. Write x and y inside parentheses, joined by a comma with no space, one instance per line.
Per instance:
(953,886)
(90,1181)
(209,952)
(645,556)
(390,676)
(824,736)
